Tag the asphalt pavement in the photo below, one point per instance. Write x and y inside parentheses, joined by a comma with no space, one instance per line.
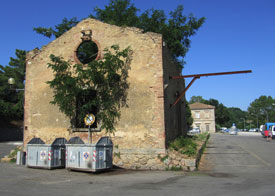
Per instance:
(232,165)
(6,147)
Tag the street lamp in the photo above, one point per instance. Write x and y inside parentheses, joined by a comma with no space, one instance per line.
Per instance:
(243,123)
(11,82)
(266,114)
(257,119)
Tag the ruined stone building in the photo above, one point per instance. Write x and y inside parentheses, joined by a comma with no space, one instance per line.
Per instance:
(203,117)
(148,123)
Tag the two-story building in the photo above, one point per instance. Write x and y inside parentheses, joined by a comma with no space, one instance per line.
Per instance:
(203,117)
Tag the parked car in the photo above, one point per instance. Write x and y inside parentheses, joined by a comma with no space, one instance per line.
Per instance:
(233,131)
(226,131)
(252,130)
(195,130)
(222,129)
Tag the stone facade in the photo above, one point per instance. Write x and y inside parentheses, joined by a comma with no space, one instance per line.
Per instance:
(146,125)
(203,117)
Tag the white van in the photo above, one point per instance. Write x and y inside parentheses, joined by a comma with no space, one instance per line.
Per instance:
(272,128)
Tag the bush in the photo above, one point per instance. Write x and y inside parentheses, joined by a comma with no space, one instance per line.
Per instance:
(201,137)
(185,145)
(188,145)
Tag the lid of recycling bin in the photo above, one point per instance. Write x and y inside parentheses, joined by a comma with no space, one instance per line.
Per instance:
(36,141)
(75,140)
(59,141)
(104,141)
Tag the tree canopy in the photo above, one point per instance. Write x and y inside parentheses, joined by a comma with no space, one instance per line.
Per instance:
(58,30)
(262,108)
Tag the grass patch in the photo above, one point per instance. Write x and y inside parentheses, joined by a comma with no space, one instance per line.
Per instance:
(14,152)
(201,137)
(13,155)
(175,168)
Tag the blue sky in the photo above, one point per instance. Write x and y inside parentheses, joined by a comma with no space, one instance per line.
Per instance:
(237,35)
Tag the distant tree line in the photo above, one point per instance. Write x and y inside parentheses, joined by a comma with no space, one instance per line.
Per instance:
(260,111)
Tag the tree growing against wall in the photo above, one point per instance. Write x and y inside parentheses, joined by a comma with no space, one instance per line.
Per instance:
(106,77)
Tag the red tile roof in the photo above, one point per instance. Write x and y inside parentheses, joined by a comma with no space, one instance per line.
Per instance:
(197,105)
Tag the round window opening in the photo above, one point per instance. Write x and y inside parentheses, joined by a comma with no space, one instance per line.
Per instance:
(87,52)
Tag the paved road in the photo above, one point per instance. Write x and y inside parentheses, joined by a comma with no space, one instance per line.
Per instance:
(232,165)
(6,147)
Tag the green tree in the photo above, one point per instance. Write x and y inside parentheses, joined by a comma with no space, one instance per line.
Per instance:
(58,30)
(221,113)
(195,99)
(263,108)
(188,114)
(106,77)
(11,102)
(118,12)
(176,30)
(236,115)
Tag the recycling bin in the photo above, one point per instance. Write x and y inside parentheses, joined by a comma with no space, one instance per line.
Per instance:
(89,157)
(48,156)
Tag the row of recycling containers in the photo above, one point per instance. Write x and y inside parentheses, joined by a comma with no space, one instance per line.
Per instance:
(73,154)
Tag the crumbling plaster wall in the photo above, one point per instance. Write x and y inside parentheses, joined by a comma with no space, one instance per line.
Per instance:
(140,135)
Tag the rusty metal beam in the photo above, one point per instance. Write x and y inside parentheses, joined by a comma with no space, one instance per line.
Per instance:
(197,76)
(210,74)
(183,93)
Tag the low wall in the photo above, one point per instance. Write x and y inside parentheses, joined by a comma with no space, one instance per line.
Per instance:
(174,160)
